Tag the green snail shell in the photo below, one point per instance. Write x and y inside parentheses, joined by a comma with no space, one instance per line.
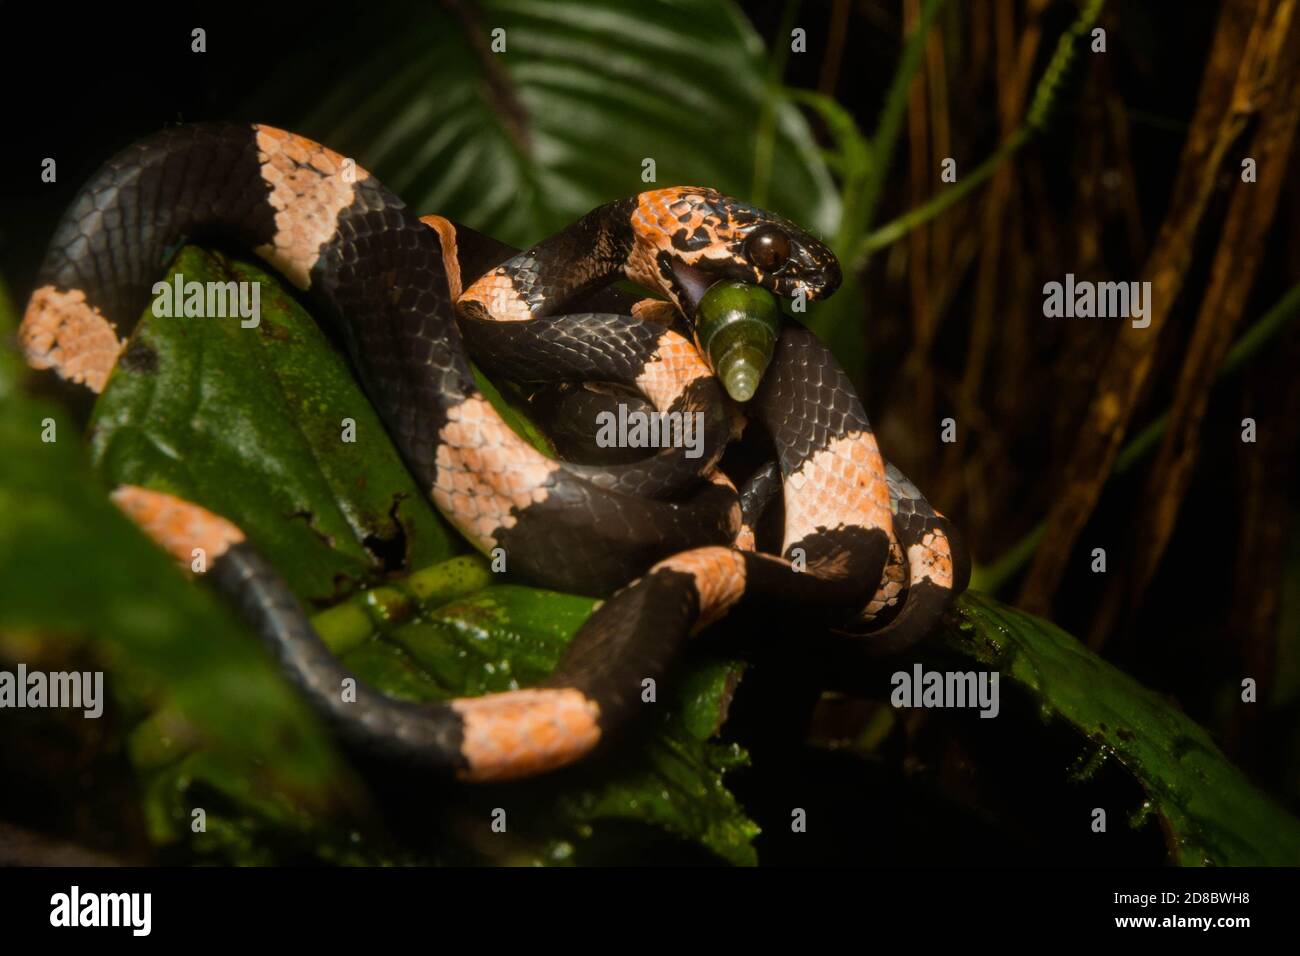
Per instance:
(736,327)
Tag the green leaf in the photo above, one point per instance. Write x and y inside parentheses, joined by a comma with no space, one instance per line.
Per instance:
(514,414)
(75,572)
(677,781)
(250,424)
(1212,815)
(506,636)
(517,144)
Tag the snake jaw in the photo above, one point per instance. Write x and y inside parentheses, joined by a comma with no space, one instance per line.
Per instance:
(691,284)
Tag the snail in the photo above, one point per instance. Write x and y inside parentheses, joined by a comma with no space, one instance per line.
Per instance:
(736,328)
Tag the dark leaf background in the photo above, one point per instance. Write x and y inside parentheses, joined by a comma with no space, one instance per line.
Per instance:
(1122,165)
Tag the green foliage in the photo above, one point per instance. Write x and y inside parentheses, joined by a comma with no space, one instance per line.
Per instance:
(247,423)
(1210,812)
(505,636)
(518,145)
(77,574)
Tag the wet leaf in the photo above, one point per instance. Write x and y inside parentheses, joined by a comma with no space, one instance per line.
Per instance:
(1212,814)
(250,423)
(247,423)
(506,636)
(74,569)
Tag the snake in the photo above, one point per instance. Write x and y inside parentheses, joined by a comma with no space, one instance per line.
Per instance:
(669,544)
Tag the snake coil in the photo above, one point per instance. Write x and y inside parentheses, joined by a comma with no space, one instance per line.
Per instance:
(672,552)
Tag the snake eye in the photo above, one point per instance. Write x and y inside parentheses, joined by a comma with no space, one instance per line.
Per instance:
(768,248)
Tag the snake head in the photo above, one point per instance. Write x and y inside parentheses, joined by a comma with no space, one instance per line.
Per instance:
(687,238)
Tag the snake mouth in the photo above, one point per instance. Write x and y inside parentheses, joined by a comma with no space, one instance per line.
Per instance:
(692,283)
